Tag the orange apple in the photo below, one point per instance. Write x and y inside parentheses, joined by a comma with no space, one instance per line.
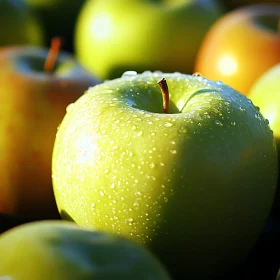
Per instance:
(241,45)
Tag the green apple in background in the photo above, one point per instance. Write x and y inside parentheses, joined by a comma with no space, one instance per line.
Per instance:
(19,25)
(60,250)
(265,94)
(195,185)
(32,104)
(59,18)
(278,275)
(116,35)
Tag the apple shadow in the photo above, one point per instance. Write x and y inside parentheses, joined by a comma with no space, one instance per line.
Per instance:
(65,216)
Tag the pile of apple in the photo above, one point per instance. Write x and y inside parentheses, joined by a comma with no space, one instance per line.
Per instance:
(139,139)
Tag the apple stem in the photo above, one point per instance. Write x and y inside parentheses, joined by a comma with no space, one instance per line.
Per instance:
(165,94)
(52,54)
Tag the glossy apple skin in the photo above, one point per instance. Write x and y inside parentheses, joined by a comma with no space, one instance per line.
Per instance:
(265,94)
(237,50)
(60,250)
(146,35)
(18,25)
(33,103)
(196,185)
(59,18)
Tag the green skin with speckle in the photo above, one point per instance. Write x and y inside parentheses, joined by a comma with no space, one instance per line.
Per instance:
(194,185)
(60,250)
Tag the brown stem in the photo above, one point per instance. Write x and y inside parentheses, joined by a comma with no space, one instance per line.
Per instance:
(52,54)
(165,94)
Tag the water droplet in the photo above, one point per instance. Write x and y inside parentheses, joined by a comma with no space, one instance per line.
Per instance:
(130,220)
(129,74)
(168,124)
(101,193)
(139,133)
(134,127)
(114,201)
(173,152)
(92,205)
(70,107)
(266,121)
(152,165)
(106,171)
(217,122)
(197,74)
(116,218)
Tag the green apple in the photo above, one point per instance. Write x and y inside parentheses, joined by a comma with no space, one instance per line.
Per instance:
(278,275)
(33,103)
(265,94)
(59,18)
(116,35)
(60,250)
(18,25)
(195,185)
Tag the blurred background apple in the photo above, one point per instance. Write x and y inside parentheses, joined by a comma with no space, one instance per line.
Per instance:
(32,105)
(19,25)
(265,93)
(58,17)
(114,36)
(241,45)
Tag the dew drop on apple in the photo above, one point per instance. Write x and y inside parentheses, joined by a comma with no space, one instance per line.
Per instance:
(70,107)
(173,152)
(101,193)
(130,220)
(217,122)
(152,165)
(129,74)
(139,133)
(168,124)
